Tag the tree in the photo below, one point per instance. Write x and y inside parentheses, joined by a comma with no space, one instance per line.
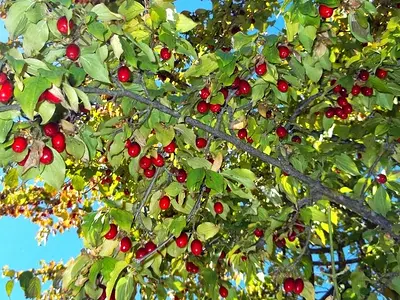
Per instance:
(201,156)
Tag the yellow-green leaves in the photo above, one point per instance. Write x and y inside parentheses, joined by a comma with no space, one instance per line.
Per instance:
(184,24)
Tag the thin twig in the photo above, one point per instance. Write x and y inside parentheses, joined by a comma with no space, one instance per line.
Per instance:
(335,284)
(302,106)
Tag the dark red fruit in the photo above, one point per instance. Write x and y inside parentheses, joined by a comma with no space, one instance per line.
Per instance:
(367,91)
(288,285)
(47,156)
(6,92)
(112,233)
(279,242)
(281,132)
(261,69)
(330,112)
(134,149)
(325,11)
(342,101)
(249,140)
(299,226)
(201,143)
(51,129)
(381,73)
(182,240)
(242,133)
(181,176)
(170,148)
(381,178)
(140,253)
(205,93)
(72,52)
(215,108)
(145,162)
(149,173)
(291,236)
(258,232)
(223,291)
(363,75)
(125,244)
(58,142)
(164,203)
(284,52)
(62,25)
(298,286)
(158,161)
(348,109)
(124,74)
(341,113)
(165,54)
(203,107)
(356,90)
(224,92)
(3,78)
(244,87)
(236,83)
(23,162)
(296,139)
(196,247)
(150,247)
(192,268)
(282,86)
(19,145)
(218,208)
(47,95)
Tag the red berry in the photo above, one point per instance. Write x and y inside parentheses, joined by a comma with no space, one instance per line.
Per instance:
(249,140)
(112,233)
(223,291)
(181,176)
(19,145)
(381,178)
(288,285)
(203,107)
(170,148)
(49,96)
(244,87)
(145,162)
(192,268)
(201,143)
(205,93)
(298,286)
(279,242)
(283,86)
(381,73)
(47,156)
(325,11)
(3,78)
(134,149)
(367,91)
(330,113)
(356,90)
(23,162)
(6,92)
(215,108)
(218,208)
(242,133)
(50,129)
(150,247)
(281,132)
(164,203)
(236,83)
(158,161)
(124,74)
(348,109)
(182,240)
(72,52)
(292,236)
(342,101)
(363,75)
(258,232)
(284,52)
(296,139)
(341,113)
(62,25)
(261,69)
(125,244)
(58,142)
(165,54)
(149,173)
(343,92)
(299,226)
(196,247)
(222,255)
(140,253)
(224,92)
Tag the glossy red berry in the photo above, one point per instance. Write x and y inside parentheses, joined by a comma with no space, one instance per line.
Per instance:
(182,240)
(242,133)
(205,93)
(363,75)
(124,74)
(72,52)
(288,285)
(58,142)
(244,87)
(3,78)
(282,86)
(291,236)
(49,96)
(140,253)
(281,132)
(236,83)
(261,69)
(149,173)
(112,232)
(330,113)
(164,203)
(367,91)
(223,291)
(279,242)
(23,162)
(203,107)
(381,178)
(215,108)
(298,286)
(158,161)
(258,232)
(51,129)
(348,109)
(356,90)
(145,162)
(201,143)
(224,92)
(342,101)
(284,52)
(325,11)
(196,247)
(192,268)
(134,149)
(381,73)
(6,92)
(19,145)
(299,226)
(125,244)
(341,113)
(63,26)
(249,140)
(170,148)
(165,54)
(181,176)
(218,208)
(296,139)
(47,156)
(150,247)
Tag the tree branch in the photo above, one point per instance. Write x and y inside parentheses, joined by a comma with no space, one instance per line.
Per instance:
(9,107)
(302,106)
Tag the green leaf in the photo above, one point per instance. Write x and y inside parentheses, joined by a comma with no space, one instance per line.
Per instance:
(184,24)
(395,284)
(46,111)
(24,280)
(379,84)
(28,98)
(95,67)
(241,40)
(195,178)
(308,292)
(198,162)
(207,230)
(207,64)
(72,97)
(123,218)
(314,73)
(380,202)
(243,176)
(54,173)
(16,21)
(307,36)
(9,287)
(75,147)
(173,189)
(11,178)
(177,225)
(187,134)
(34,289)
(78,183)
(345,163)
(5,127)
(118,268)
(215,181)
(35,37)
(104,14)
(361,34)
(146,50)
(125,288)
(130,9)
(164,134)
